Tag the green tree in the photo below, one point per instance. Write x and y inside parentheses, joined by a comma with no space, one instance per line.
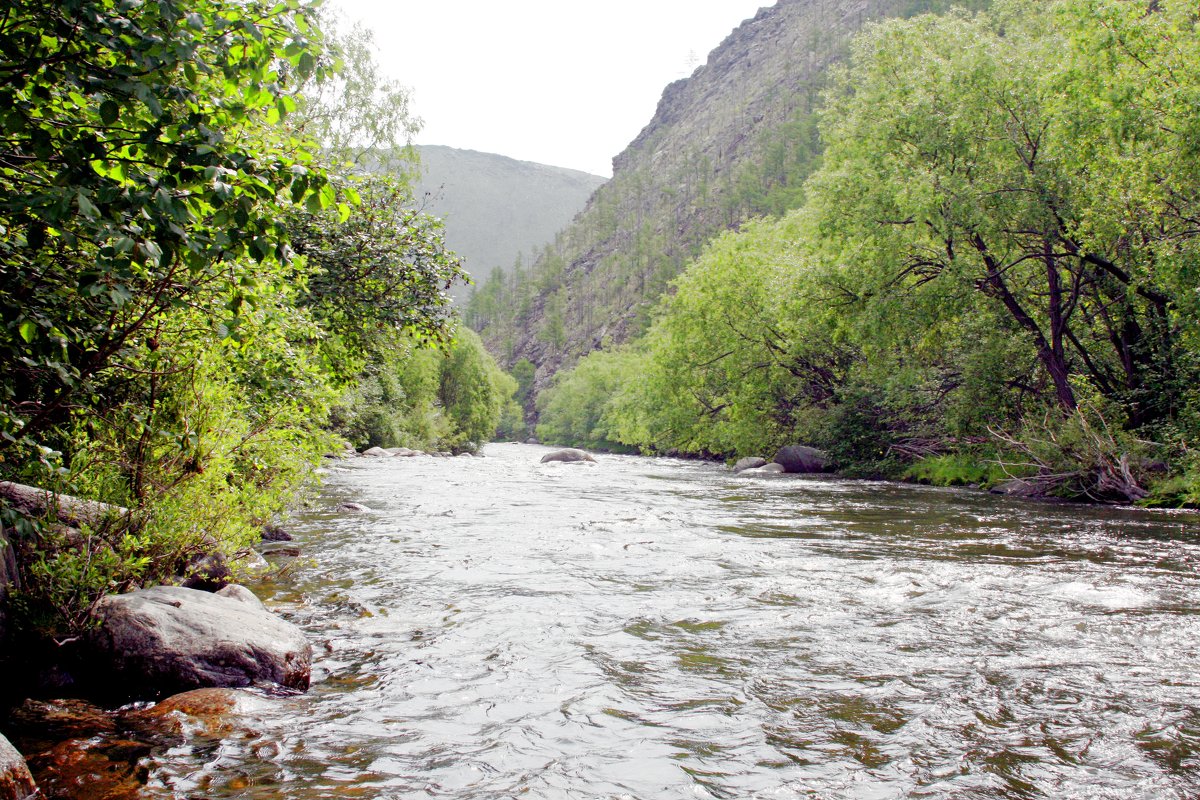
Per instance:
(134,179)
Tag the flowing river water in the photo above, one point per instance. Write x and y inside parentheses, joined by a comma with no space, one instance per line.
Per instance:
(653,628)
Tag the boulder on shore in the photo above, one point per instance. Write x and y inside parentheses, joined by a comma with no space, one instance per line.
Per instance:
(167,639)
(751,462)
(801,459)
(570,455)
(16,782)
(376,452)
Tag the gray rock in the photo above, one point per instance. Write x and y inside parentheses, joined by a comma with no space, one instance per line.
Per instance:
(167,639)
(356,508)
(752,462)
(570,455)
(1016,487)
(16,783)
(376,452)
(235,591)
(765,469)
(532,440)
(798,458)
(401,452)
(9,578)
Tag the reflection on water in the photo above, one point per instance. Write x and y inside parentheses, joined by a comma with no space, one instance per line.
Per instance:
(650,628)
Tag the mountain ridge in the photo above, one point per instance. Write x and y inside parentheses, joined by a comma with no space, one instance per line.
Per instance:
(497,208)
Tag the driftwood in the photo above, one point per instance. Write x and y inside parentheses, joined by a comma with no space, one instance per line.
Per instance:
(68,510)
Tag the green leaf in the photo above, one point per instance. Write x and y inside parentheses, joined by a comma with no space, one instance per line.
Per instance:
(110,112)
(27,329)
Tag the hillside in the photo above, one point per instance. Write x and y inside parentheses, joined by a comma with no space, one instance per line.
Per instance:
(496,208)
(734,140)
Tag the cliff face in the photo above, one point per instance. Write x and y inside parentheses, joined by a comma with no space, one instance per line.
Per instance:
(734,140)
(496,207)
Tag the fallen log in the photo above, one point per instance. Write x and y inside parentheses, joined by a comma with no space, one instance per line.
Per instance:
(72,511)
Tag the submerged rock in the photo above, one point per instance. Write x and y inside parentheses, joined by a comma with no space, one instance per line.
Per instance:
(752,462)
(168,639)
(357,508)
(570,455)
(208,712)
(16,782)
(800,459)
(93,769)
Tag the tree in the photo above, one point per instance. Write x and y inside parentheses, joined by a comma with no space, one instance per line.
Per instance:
(969,154)
(133,179)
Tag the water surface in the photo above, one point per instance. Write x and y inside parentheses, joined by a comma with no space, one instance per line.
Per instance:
(655,628)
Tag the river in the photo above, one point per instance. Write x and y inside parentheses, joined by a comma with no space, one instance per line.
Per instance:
(654,628)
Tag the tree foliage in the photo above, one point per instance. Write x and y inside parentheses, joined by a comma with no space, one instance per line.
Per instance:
(998,256)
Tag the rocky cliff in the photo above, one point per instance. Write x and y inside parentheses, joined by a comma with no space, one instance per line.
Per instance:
(734,140)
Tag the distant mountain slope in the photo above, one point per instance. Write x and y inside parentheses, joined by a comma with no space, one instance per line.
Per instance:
(496,207)
(734,140)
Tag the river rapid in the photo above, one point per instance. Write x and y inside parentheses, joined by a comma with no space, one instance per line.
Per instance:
(653,628)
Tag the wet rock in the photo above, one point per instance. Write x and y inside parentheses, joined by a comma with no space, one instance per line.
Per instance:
(376,452)
(205,712)
(765,469)
(752,462)
(570,455)
(354,508)
(281,550)
(93,769)
(16,782)
(168,639)
(274,533)
(800,459)
(401,452)
(38,724)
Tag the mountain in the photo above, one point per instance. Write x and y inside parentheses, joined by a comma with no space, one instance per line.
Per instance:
(496,208)
(734,140)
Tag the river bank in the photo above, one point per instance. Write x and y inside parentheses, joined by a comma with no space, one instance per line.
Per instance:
(659,628)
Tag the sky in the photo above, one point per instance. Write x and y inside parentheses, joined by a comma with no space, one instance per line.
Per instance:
(562,82)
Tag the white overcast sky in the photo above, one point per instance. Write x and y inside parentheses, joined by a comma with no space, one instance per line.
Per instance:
(563,82)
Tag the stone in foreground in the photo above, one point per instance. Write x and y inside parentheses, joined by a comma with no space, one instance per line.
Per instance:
(801,459)
(167,639)
(16,783)
(568,456)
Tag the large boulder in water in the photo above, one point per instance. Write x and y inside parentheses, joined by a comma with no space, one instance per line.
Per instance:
(168,639)
(752,462)
(568,456)
(798,458)
(16,783)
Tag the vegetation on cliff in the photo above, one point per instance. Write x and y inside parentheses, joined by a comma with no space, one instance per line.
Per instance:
(735,140)
(995,263)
